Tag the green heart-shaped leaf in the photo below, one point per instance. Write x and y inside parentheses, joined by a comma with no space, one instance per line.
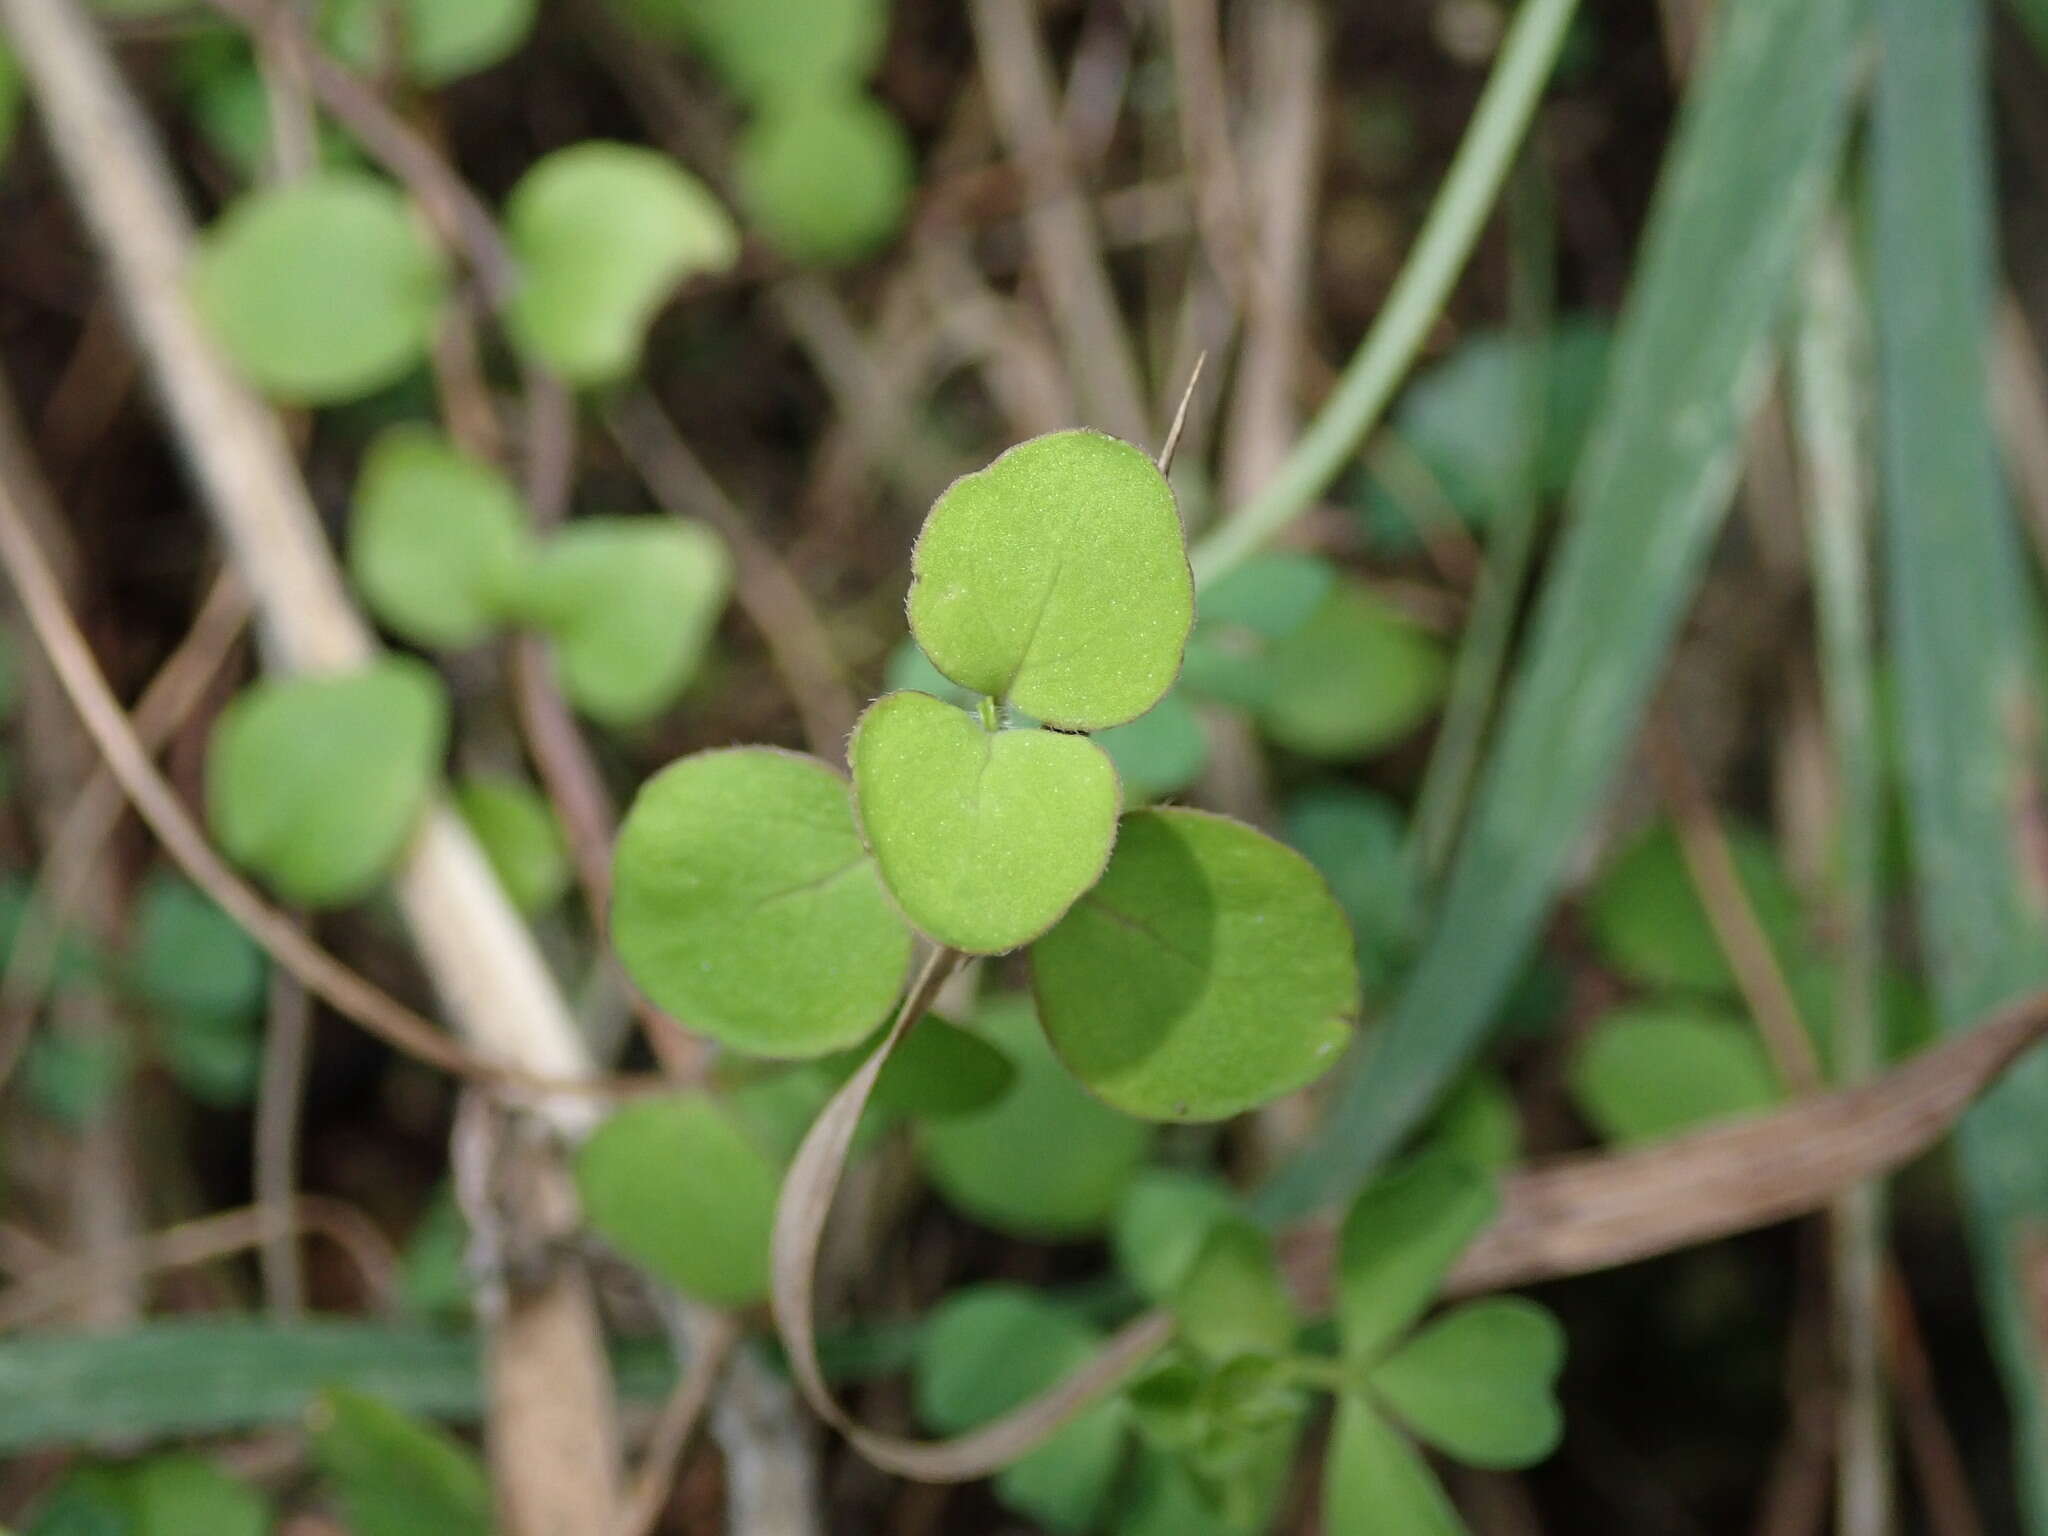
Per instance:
(1208,971)
(1398,1242)
(1376,1484)
(826,177)
(1356,678)
(744,904)
(1231,1301)
(316,782)
(987,1350)
(393,1474)
(984,837)
(1163,1223)
(1082,1156)
(190,958)
(438,541)
(322,290)
(603,233)
(630,603)
(442,40)
(674,1185)
(1654,1070)
(1477,1384)
(516,826)
(1057,578)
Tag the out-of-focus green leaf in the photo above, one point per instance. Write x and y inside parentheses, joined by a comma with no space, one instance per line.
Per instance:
(1399,1240)
(320,291)
(1230,1300)
(393,1474)
(1756,148)
(826,178)
(1083,1155)
(438,40)
(1357,840)
(1654,1070)
(675,1185)
(1477,1383)
(1158,754)
(521,837)
(437,540)
(1647,918)
(316,782)
(630,603)
(1160,1229)
(1376,1484)
(989,1349)
(1354,679)
(603,233)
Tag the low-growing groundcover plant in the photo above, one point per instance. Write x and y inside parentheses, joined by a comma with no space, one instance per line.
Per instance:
(1179,1193)
(1184,968)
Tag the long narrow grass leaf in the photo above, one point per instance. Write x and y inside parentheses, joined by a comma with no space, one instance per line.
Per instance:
(1756,149)
(1968,693)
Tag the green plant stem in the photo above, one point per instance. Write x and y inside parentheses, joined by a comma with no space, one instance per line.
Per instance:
(1475,679)
(1384,357)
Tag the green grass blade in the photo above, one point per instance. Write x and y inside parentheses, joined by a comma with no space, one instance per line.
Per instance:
(1968,694)
(191,1378)
(1755,151)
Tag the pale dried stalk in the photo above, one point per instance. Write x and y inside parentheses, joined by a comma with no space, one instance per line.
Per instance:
(483,962)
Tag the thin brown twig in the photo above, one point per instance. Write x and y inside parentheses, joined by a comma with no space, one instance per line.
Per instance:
(85,824)
(212,1237)
(280,1091)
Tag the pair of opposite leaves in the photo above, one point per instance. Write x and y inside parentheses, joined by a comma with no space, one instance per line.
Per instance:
(1200,970)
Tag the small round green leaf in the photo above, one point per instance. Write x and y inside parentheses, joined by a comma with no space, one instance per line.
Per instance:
(393,1474)
(320,291)
(1082,1155)
(437,542)
(1478,1383)
(1376,1484)
(1232,1301)
(744,904)
(991,1348)
(1479,1122)
(1270,595)
(1355,679)
(439,40)
(1161,752)
(1651,1070)
(1209,971)
(674,1185)
(772,53)
(316,782)
(984,837)
(176,1493)
(1057,578)
(520,836)
(630,603)
(1399,1240)
(1160,1228)
(603,233)
(937,1071)
(1646,915)
(825,177)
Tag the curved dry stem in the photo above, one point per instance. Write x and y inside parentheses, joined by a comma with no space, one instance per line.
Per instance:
(1600,1210)
(800,1215)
